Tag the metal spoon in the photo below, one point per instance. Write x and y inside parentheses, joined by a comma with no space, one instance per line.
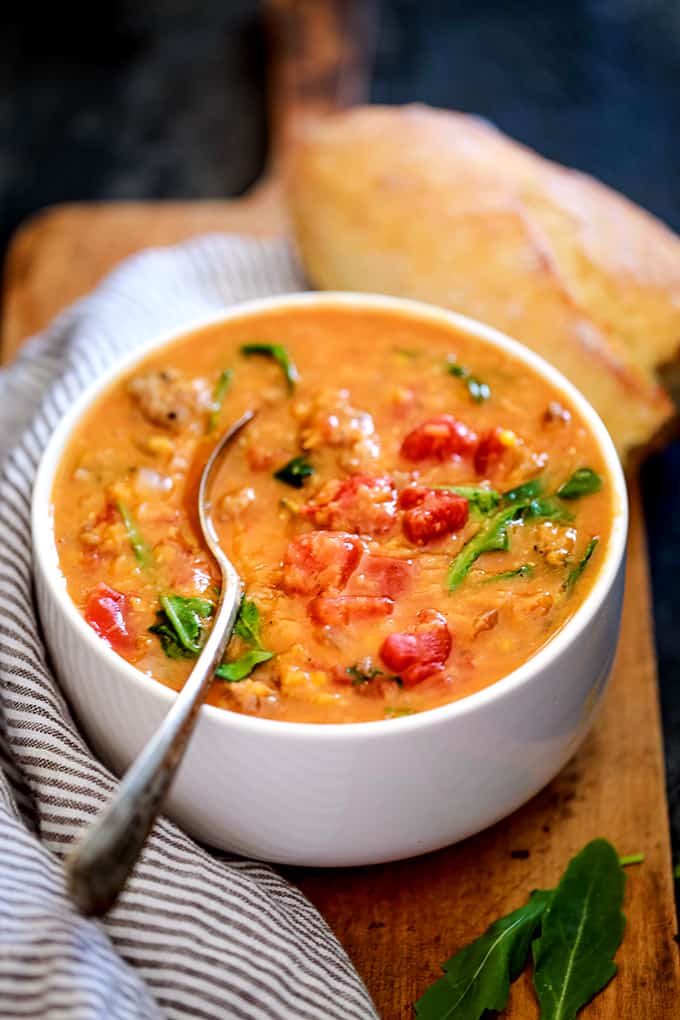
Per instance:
(101,862)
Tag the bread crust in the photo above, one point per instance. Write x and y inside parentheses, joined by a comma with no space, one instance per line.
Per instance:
(443,207)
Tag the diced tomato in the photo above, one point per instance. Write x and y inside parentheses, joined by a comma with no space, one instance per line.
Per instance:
(431,513)
(320,561)
(439,438)
(108,613)
(419,653)
(490,451)
(340,610)
(381,575)
(362,504)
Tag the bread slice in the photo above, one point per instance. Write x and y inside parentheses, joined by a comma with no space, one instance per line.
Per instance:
(441,206)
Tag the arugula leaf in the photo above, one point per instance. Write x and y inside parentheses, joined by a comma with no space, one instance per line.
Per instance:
(491,537)
(549,508)
(483,501)
(219,393)
(526,570)
(581,931)
(294,472)
(478,390)
(581,565)
(478,977)
(140,547)
(180,625)
(239,669)
(279,354)
(247,624)
(527,490)
(583,482)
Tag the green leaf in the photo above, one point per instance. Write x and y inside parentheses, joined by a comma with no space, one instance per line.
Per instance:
(362,676)
(526,570)
(279,354)
(631,859)
(526,491)
(239,669)
(140,547)
(478,390)
(491,537)
(295,472)
(581,931)
(482,501)
(478,977)
(548,508)
(583,482)
(219,393)
(179,625)
(581,565)
(247,624)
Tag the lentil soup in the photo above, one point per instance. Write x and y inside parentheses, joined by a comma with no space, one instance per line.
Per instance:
(413,512)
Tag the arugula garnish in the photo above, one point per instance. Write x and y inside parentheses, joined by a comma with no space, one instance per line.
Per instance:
(548,508)
(583,482)
(478,390)
(491,537)
(580,933)
(180,624)
(279,354)
(140,547)
(581,926)
(219,393)
(581,565)
(527,490)
(295,472)
(526,570)
(247,627)
(482,501)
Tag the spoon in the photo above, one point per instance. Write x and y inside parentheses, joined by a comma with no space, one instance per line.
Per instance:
(99,865)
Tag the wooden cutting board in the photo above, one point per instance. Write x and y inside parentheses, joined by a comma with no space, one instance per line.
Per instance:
(399,921)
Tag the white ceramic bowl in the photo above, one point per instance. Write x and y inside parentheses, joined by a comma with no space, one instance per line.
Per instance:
(358,793)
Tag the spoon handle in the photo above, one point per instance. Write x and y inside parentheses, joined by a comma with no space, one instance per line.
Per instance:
(100,864)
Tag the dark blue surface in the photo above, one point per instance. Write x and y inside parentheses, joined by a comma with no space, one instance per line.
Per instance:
(166,99)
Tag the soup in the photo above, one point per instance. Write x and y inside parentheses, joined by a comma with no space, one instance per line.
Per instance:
(413,512)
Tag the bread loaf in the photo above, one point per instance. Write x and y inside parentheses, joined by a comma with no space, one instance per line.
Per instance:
(442,207)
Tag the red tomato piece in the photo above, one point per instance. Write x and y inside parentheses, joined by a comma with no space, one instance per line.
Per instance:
(490,451)
(107,611)
(320,561)
(419,653)
(340,610)
(381,575)
(440,438)
(431,513)
(362,504)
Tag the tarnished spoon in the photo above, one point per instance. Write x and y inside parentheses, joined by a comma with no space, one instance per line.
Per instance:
(99,865)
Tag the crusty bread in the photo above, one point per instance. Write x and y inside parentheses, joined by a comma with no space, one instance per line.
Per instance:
(443,207)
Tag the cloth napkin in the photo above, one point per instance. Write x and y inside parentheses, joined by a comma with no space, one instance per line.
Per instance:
(196,933)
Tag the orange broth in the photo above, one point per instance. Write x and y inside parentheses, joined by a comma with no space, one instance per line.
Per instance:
(348,572)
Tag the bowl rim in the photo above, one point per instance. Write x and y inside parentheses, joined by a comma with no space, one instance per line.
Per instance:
(46,555)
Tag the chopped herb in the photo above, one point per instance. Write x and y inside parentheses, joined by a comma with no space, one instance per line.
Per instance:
(548,508)
(279,354)
(361,676)
(179,625)
(247,624)
(581,565)
(526,570)
(482,501)
(491,537)
(478,390)
(631,859)
(140,547)
(527,490)
(295,472)
(219,393)
(676,872)
(239,669)
(478,977)
(580,933)
(583,482)
(396,713)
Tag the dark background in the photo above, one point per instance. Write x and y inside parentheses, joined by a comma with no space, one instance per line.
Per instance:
(167,99)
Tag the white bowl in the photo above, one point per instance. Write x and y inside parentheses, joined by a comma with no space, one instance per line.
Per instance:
(358,793)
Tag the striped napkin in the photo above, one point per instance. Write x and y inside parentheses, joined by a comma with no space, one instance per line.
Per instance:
(196,933)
